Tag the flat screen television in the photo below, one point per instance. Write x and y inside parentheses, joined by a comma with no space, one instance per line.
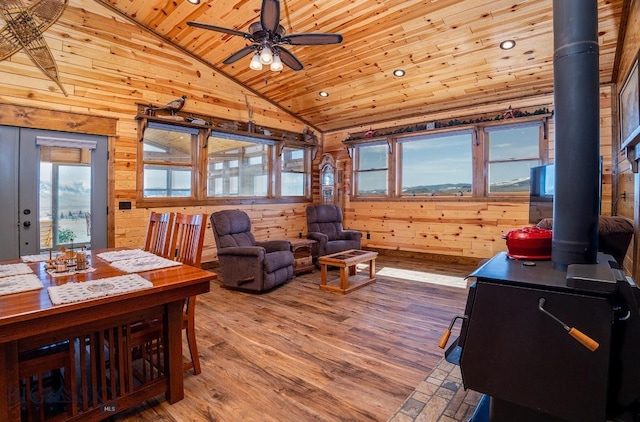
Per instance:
(541,191)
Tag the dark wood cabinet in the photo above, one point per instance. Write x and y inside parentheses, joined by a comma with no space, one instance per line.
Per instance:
(302,254)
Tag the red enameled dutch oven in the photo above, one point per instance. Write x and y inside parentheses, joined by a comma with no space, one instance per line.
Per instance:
(529,243)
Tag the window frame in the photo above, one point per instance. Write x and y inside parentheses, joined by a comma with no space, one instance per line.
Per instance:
(486,142)
(306,160)
(269,164)
(199,166)
(479,159)
(355,157)
(425,136)
(192,164)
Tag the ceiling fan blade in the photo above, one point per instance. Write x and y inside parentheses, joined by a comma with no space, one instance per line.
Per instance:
(270,15)
(312,39)
(240,54)
(289,59)
(221,29)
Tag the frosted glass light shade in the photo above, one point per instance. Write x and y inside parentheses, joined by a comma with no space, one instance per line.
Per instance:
(266,56)
(255,62)
(276,65)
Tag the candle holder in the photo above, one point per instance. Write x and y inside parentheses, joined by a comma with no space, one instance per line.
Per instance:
(61,264)
(81,261)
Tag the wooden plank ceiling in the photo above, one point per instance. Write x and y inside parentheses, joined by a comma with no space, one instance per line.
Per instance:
(448,48)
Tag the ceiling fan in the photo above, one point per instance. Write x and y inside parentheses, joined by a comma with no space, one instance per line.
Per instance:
(267,37)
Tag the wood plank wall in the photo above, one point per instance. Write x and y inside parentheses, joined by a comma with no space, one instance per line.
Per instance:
(107,65)
(464,227)
(627,181)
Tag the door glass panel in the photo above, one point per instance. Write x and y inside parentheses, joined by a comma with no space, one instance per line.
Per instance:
(65,197)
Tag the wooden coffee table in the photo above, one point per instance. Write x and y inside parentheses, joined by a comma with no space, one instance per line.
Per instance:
(349,278)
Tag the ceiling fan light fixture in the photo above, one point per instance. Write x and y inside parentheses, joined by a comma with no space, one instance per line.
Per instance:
(276,64)
(255,62)
(266,56)
(267,36)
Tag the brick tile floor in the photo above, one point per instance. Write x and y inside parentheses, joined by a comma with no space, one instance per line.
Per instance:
(441,397)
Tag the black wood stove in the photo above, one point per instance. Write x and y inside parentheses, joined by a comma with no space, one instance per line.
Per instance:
(551,345)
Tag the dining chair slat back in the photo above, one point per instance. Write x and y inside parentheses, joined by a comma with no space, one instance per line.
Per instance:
(159,230)
(186,243)
(187,238)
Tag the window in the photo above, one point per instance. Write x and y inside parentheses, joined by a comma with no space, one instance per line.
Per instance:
(192,163)
(436,164)
(292,168)
(478,159)
(512,151)
(237,167)
(168,157)
(371,166)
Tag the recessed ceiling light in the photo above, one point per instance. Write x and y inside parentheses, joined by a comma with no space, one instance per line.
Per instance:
(194,1)
(323,94)
(507,45)
(399,73)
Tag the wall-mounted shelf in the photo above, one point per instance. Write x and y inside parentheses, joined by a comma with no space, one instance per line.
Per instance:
(210,123)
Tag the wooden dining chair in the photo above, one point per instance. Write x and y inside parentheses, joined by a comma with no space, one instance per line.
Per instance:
(159,229)
(48,380)
(186,245)
(185,240)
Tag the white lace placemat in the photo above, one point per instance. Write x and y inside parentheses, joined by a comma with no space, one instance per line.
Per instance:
(76,292)
(148,263)
(7,270)
(35,258)
(19,283)
(124,254)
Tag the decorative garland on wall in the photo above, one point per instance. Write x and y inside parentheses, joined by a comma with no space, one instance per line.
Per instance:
(422,127)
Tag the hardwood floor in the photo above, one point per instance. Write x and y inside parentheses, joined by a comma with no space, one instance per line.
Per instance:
(299,353)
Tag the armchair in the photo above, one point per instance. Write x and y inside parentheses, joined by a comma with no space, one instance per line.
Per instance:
(247,264)
(324,225)
(614,235)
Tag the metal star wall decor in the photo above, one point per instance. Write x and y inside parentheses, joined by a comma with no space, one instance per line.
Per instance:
(24,28)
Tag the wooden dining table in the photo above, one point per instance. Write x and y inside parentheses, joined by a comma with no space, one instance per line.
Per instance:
(100,330)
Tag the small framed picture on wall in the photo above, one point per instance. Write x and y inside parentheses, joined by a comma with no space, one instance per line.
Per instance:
(629,106)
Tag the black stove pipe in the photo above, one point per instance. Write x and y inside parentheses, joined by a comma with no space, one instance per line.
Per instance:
(577,133)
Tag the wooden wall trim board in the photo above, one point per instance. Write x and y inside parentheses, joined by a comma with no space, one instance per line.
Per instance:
(445,259)
(622,31)
(66,121)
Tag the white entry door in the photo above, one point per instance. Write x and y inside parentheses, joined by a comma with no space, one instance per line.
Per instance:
(54,191)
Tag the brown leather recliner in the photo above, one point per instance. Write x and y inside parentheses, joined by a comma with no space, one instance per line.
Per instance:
(324,225)
(614,235)
(245,263)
